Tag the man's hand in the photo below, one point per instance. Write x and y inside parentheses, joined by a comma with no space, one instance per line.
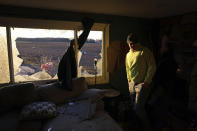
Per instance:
(131,86)
(131,89)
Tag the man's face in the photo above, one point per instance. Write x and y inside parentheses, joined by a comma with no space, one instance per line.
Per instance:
(131,45)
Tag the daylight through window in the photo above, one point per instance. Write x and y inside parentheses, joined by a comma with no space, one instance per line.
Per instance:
(90,55)
(36,52)
(40,51)
(4,65)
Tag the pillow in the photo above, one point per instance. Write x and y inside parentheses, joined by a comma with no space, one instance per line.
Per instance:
(38,110)
(54,93)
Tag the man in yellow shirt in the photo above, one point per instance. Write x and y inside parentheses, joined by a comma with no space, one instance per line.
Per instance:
(140,68)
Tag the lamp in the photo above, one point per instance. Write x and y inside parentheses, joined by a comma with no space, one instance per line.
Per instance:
(95,67)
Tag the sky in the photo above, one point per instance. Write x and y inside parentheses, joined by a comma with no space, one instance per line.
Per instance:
(39,33)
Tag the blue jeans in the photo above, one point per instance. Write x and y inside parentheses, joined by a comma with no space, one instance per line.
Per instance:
(139,96)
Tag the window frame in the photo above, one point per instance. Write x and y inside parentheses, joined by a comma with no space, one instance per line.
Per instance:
(10,22)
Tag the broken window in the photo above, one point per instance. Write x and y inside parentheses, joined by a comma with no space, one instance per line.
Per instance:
(38,46)
(90,58)
(40,51)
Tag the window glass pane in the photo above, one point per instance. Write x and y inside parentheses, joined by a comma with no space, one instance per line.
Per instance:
(38,52)
(4,67)
(91,51)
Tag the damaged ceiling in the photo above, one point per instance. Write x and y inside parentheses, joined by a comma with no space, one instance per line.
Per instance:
(135,8)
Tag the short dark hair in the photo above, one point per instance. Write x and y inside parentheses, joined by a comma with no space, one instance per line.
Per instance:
(132,37)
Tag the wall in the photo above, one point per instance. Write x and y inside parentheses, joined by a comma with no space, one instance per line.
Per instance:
(183,33)
(183,37)
(120,27)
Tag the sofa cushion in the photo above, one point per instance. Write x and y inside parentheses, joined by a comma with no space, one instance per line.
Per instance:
(54,93)
(98,94)
(100,122)
(62,122)
(9,121)
(16,95)
(34,125)
(38,110)
(93,94)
